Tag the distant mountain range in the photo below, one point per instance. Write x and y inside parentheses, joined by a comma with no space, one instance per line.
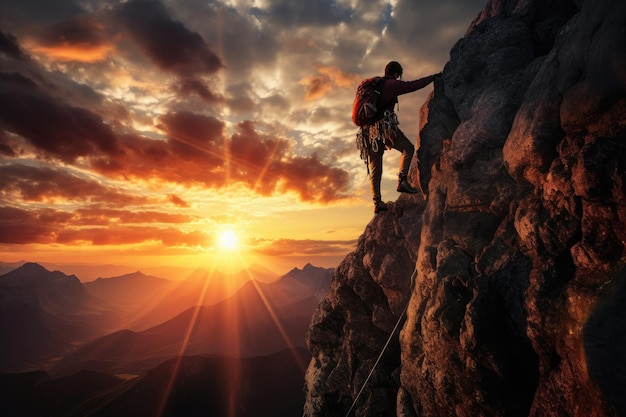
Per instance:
(59,333)
(43,314)
(145,319)
(259,319)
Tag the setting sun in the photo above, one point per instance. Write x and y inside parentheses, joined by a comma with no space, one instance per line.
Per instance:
(228,240)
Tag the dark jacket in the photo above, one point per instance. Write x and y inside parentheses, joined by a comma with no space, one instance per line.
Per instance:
(394,88)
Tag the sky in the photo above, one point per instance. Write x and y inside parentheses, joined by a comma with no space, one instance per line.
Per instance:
(211,134)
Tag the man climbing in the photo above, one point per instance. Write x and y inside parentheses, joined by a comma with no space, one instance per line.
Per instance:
(385,133)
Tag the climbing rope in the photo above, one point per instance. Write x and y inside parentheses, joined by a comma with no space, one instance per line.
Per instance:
(380,355)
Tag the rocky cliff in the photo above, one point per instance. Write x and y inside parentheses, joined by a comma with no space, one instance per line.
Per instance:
(512,264)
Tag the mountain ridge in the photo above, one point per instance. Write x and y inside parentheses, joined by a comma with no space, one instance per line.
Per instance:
(48,322)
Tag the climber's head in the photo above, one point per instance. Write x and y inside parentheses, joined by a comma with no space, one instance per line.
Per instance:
(393,69)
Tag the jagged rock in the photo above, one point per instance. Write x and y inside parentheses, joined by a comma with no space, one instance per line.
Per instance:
(367,296)
(517,308)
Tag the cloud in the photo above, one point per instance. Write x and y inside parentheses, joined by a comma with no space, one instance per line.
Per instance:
(308,13)
(284,247)
(177,200)
(186,87)
(43,184)
(81,39)
(169,44)
(136,115)
(93,226)
(58,129)
(127,235)
(267,165)
(194,136)
(10,47)
(328,79)
(103,216)
(18,226)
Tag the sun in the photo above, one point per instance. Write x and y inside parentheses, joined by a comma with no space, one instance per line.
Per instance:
(228,240)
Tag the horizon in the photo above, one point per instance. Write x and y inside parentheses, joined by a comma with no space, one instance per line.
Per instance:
(230,147)
(91,272)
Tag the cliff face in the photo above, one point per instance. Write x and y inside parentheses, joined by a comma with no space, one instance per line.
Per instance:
(517,307)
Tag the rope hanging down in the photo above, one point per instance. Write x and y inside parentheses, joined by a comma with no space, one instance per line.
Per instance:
(380,355)
(356,399)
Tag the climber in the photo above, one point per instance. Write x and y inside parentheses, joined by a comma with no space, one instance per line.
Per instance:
(385,132)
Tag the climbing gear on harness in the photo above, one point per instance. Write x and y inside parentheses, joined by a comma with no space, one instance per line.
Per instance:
(364,143)
(386,128)
(381,133)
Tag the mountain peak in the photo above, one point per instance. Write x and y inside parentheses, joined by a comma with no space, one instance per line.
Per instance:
(32,273)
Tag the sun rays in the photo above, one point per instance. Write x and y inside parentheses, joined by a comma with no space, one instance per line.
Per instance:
(240,316)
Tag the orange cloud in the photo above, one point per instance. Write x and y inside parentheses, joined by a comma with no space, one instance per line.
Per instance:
(81,39)
(283,247)
(97,227)
(131,235)
(79,52)
(340,78)
(317,86)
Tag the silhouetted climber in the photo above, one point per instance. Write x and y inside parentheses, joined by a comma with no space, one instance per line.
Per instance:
(384,133)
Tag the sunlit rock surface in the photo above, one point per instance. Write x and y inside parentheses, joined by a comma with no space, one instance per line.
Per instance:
(519,301)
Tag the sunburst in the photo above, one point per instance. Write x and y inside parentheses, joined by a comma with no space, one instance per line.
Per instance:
(228,240)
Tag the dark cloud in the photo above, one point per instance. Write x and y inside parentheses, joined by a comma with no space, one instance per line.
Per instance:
(305,13)
(197,152)
(10,47)
(169,44)
(194,86)
(81,30)
(43,184)
(17,13)
(314,180)
(94,226)
(7,148)
(267,165)
(253,151)
(56,128)
(18,226)
(194,136)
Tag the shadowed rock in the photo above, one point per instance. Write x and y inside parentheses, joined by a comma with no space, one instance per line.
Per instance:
(516,307)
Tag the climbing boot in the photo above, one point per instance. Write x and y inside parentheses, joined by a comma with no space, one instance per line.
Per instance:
(405,187)
(380,206)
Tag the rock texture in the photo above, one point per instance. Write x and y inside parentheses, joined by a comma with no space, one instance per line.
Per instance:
(518,307)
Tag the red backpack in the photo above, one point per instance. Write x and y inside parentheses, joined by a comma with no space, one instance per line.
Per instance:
(365,107)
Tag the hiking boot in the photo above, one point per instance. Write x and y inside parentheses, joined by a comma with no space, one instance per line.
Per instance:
(380,206)
(405,187)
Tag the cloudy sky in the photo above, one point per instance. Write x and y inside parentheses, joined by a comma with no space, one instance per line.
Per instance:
(139,132)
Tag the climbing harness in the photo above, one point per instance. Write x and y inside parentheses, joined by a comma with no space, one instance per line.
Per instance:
(380,355)
(382,132)
(385,130)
